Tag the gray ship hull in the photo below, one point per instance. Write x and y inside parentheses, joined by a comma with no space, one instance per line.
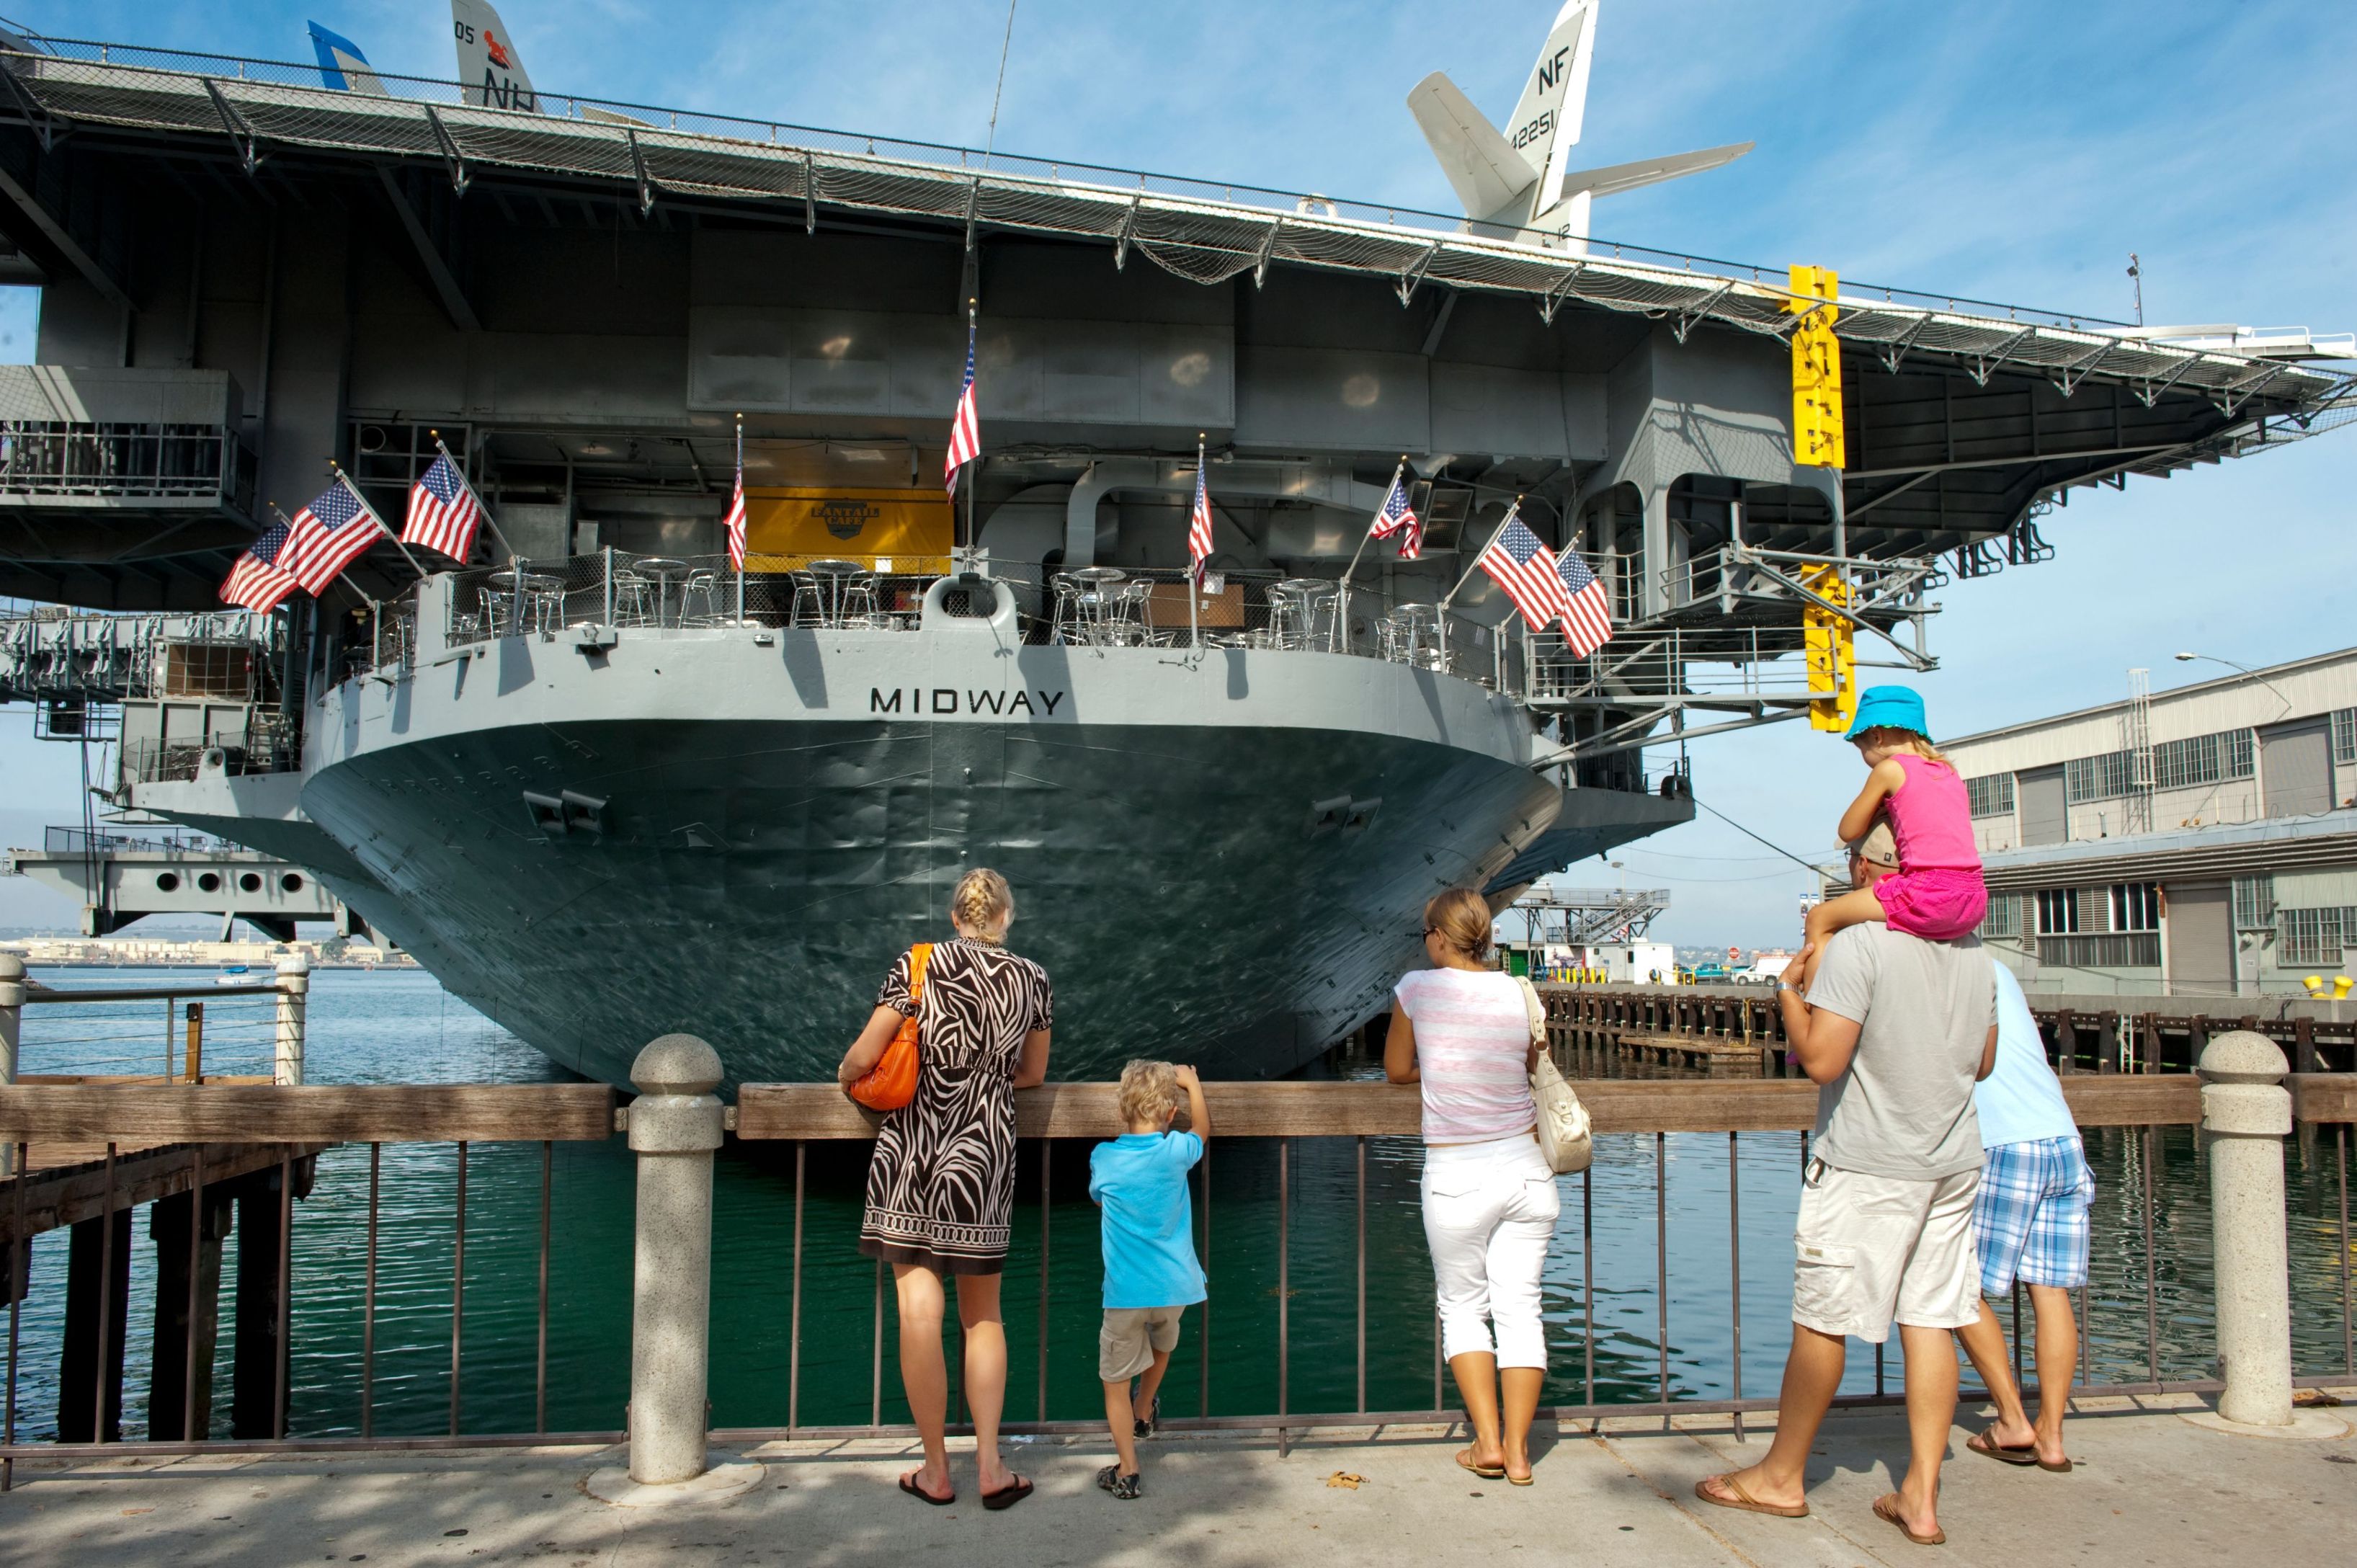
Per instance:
(1208,871)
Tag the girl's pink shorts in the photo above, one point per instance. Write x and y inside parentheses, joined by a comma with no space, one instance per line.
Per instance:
(1937,902)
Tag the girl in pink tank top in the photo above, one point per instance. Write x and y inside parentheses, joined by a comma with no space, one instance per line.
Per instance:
(1937,893)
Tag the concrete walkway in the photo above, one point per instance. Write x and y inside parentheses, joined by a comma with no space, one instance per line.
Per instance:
(2150,1488)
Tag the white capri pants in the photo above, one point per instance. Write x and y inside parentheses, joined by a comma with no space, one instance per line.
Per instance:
(1489,1214)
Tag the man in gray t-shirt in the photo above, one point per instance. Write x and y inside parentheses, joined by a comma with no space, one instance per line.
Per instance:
(1923,1011)
(1894,1031)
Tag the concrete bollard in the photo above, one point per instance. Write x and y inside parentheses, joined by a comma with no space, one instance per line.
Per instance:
(2246,1112)
(675,1126)
(12,1020)
(294,995)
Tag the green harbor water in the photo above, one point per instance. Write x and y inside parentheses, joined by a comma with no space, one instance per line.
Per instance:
(1604,1308)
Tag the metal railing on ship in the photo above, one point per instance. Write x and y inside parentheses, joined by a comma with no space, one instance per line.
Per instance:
(1146,608)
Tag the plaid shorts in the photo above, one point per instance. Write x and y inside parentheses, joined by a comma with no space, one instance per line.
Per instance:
(2030,1220)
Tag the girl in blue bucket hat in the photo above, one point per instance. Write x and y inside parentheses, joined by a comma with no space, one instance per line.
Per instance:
(1938,894)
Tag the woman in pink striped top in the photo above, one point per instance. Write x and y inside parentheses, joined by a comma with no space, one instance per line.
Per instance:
(1461,1030)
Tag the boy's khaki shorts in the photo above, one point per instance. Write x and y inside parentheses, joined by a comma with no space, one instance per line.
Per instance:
(1131,1336)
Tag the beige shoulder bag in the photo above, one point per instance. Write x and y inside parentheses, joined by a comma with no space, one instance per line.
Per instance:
(1565,1137)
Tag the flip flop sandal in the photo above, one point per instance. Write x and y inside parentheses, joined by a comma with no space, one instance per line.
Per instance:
(908,1485)
(1886,1507)
(2059,1467)
(1486,1472)
(1743,1501)
(1983,1443)
(1006,1496)
(1513,1480)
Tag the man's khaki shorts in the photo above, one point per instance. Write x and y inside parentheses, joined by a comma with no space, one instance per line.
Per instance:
(1874,1250)
(1131,1336)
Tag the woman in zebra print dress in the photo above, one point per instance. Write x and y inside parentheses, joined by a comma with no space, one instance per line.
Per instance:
(940,1185)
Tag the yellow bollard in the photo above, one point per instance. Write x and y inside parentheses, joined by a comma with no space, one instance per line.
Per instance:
(2340,984)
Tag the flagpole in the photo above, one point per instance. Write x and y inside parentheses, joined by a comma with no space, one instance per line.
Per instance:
(975,461)
(480,510)
(740,491)
(1510,512)
(1343,609)
(1195,569)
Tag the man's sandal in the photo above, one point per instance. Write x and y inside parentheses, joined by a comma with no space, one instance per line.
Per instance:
(1886,1507)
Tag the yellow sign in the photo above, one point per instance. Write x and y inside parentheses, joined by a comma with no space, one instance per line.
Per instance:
(900,526)
(1831,653)
(1817,369)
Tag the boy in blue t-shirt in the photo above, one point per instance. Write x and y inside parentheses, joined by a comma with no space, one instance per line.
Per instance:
(1150,1272)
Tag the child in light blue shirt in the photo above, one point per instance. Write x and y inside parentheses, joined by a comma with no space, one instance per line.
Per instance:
(1151,1274)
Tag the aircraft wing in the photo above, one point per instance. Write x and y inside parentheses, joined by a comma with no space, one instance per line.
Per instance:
(1482,166)
(1616,177)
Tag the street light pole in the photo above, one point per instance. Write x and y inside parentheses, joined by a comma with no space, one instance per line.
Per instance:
(2246,670)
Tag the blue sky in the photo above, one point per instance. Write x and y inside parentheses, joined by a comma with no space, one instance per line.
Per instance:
(2002,151)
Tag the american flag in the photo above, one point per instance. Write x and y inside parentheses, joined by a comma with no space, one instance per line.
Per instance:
(442,512)
(737,520)
(1198,524)
(1520,562)
(328,535)
(257,581)
(1588,617)
(1398,517)
(965,424)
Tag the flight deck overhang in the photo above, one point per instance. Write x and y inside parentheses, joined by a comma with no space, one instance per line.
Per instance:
(1203,230)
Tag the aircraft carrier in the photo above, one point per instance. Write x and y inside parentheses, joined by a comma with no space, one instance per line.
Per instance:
(604,797)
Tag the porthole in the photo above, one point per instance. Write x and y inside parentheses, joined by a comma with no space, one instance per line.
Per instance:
(249,882)
(167,882)
(208,881)
(292,882)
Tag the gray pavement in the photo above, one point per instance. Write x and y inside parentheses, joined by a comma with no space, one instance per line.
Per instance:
(2150,1488)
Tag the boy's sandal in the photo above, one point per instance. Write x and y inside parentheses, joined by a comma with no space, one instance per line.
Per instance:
(1486,1472)
(1153,1418)
(1006,1496)
(1886,1507)
(1737,1498)
(1125,1487)
(908,1485)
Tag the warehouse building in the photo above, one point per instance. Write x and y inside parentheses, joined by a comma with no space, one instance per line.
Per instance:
(2194,842)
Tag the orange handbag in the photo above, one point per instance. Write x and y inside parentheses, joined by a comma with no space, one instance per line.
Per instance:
(892,1081)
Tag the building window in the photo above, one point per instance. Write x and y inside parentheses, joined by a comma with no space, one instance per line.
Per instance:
(2255,902)
(2058,912)
(2004,916)
(2203,759)
(2105,777)
(1991,795)
(2345,735)
(2135,906)
(2309,936)
(2119,950)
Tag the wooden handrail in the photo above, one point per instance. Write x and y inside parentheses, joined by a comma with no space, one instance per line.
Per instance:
(446,1112)
(324,1114)
(818,1110)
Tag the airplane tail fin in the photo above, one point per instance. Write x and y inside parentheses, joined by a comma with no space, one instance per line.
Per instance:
(1547,121)
(490,69)
(1487,174)
(342,66)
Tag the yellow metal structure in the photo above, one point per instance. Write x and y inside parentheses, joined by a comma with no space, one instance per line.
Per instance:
(913,529)
(1817,369)
(1832,652)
